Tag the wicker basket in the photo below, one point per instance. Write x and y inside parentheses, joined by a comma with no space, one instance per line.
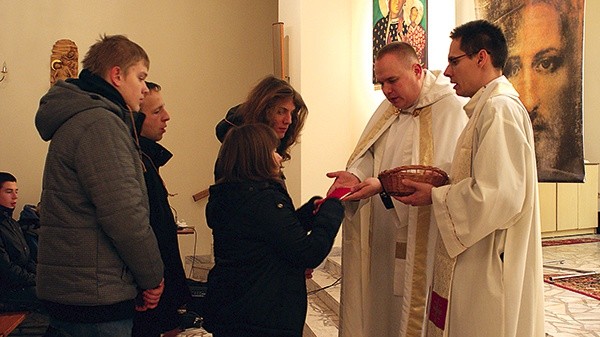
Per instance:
(391,179)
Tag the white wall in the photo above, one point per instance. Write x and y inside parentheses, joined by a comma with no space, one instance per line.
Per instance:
(319,55)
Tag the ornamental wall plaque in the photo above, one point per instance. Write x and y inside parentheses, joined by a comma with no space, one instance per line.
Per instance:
(64,61)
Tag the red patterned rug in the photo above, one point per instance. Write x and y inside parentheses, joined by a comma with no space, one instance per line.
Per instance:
(559,242)
(588,285)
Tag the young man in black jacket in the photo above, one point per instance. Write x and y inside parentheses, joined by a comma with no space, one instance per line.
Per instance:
(17,265)
(164,318)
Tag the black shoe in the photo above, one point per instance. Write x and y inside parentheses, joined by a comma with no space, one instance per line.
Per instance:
(190,319)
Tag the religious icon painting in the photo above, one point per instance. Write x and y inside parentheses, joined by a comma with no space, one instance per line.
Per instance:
(400,20)
(545,57)
(64,61)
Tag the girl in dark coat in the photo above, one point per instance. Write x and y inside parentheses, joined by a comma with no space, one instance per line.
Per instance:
(262,244)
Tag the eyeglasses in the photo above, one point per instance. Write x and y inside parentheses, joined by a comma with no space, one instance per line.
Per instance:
(453,61)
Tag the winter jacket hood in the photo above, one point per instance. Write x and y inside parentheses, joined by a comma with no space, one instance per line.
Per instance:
(66,99)
(231,119)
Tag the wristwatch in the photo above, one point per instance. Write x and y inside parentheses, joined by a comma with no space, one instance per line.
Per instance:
(386,199)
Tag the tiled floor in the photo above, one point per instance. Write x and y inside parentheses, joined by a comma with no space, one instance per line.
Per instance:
(568,314)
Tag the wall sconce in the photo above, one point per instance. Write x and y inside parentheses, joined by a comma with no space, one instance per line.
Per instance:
(3,72)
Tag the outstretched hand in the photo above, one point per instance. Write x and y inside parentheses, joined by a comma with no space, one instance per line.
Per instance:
(359,190)
(342,179)
(420,197)
(368,188)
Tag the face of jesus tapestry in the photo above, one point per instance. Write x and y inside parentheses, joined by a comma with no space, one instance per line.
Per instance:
(545,42)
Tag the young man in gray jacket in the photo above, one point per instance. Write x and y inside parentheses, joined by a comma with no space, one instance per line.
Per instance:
(97,251)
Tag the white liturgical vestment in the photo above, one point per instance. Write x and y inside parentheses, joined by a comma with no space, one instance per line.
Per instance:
(387,255)
(489,223)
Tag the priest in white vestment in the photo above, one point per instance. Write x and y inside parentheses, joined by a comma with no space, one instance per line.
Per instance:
(387,254)
(488,270)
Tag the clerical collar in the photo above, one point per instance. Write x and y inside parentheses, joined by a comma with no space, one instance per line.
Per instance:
(413,112)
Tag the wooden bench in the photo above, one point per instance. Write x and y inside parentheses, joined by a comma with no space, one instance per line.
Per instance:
(9,321)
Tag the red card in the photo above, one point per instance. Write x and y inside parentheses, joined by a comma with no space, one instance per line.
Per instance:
(340,193)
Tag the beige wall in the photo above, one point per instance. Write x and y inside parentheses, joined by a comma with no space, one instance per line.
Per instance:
(591,68)
(591,87)
(206,54)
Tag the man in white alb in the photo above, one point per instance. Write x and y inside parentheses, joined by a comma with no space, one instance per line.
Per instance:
(488,268)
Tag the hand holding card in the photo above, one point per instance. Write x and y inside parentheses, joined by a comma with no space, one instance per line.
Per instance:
(338,193)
